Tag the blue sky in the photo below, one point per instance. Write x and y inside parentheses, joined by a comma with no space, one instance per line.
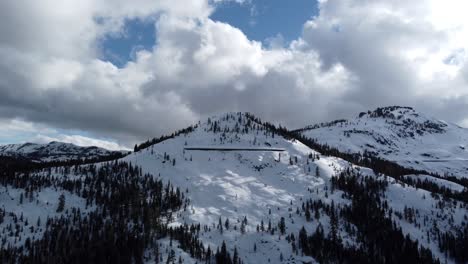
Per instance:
(138,34)
(260,20)
(263,19)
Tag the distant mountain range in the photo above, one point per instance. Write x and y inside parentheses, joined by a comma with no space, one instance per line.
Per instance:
(56,152)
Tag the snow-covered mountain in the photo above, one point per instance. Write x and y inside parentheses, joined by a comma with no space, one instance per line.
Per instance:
(55,151)
(402,135)
(246,185)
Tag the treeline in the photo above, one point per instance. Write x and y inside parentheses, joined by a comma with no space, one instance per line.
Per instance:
(83,161)
(10,164)
(436,189)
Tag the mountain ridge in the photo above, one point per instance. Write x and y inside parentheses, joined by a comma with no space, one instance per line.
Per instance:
(399,134)
(56,151)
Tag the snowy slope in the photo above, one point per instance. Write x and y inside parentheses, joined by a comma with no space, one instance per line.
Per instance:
(25,217)
(54,151)
(265,186)
(400,134)
(237,184)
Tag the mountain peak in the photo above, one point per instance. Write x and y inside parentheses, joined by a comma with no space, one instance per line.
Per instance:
(407,121)
(403,121)
(392,112)
(218,129)
(230,121)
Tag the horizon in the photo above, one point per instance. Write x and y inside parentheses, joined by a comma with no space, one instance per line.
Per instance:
(106,145)
(110,74)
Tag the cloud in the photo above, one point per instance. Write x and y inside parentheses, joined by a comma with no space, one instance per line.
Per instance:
(353,56)
(398,50)
(19,130)
(213,67)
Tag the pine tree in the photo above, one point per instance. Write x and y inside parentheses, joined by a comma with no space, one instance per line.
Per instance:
(282,226)
(307,214)
(61,203)
(171,257)
(208,255)
(235,257)
(333,223)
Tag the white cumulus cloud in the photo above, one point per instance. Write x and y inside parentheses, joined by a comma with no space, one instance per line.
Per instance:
(354,55)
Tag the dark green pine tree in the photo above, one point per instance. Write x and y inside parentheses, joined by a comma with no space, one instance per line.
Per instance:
(282,226)
(235,258)
(61,203)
